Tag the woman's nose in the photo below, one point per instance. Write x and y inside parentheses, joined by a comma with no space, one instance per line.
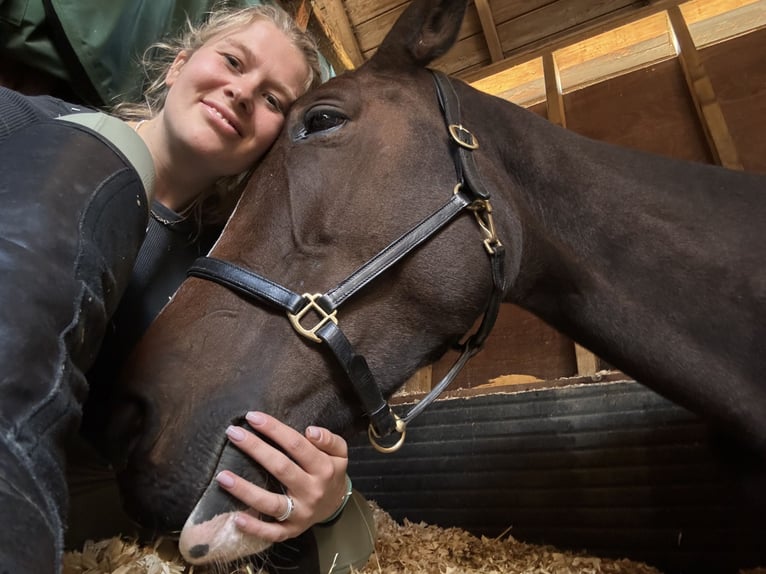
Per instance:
(242,97)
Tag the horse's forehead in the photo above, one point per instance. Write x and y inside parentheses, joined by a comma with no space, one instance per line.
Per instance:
(373,88)
(398,88)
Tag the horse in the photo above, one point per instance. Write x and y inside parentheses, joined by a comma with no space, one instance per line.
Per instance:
(405,205)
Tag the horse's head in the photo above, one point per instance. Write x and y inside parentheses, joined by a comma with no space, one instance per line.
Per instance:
(361,161)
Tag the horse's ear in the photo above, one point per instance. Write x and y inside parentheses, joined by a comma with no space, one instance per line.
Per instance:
(424,31)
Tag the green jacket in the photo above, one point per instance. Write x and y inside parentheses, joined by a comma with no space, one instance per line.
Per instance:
(93,45)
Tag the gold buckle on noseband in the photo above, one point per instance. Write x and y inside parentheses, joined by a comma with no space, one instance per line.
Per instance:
(401,428)
(311,305)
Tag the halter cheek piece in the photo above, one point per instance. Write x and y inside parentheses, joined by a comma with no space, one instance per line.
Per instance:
(469,193)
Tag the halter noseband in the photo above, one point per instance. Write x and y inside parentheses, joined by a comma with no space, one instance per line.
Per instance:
(469,193)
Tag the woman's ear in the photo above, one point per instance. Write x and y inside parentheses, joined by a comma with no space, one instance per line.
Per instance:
(175,68)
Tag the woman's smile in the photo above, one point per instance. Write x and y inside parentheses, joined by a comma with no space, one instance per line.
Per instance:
(223,119)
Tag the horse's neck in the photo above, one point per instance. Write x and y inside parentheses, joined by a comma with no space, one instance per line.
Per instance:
(627,253)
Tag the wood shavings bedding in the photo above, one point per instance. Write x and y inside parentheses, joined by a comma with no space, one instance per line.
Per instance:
(406,548)
(426,549)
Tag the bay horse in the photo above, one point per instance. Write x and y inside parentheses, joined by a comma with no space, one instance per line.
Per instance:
(377,197)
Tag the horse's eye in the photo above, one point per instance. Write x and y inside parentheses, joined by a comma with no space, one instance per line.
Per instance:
(319,120)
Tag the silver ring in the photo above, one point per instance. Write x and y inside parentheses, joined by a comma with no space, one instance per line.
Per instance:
(288,511)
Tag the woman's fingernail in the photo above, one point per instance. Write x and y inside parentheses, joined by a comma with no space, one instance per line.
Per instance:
(235,433)
(255,418)
(239,520)
(225,479)
(314,433)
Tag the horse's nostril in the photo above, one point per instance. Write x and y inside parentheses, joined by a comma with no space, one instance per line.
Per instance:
(199,551)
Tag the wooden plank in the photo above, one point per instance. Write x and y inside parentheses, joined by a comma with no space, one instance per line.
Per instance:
(420,382)
(648,109)
(701,88)
(736,68)
(617,42)
(333,19)
(641,43)
(707,28)
(505,10)
(600,57)
(604,67)
(721,10)
(553,96)
(587,362)
(371,32)
(712,20)
(490,30)
(468,52)
(523,84)
(361,11)
(519,344)
(302,15)
(537,44)
(516,384)
(561,18)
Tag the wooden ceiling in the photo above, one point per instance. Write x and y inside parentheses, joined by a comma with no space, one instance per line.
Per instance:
(495,36)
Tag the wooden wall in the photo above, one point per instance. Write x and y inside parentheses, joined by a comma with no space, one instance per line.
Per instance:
(738,71)
(650,109)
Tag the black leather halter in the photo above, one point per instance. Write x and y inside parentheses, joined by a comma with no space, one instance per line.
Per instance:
(469,193)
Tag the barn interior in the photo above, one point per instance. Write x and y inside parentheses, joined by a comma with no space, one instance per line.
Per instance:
(538,436)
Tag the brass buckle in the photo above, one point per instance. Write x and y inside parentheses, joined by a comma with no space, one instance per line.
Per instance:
(401,428)
(463,137)
(311,305)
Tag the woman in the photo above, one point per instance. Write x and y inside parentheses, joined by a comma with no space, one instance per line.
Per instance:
(210,114)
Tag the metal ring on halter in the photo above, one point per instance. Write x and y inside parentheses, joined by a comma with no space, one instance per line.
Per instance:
(401,428)
(289,511)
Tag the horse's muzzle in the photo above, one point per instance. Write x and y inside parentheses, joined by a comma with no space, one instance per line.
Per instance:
(210,533)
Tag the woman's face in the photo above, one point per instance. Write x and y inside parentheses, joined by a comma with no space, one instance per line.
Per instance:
(226,102)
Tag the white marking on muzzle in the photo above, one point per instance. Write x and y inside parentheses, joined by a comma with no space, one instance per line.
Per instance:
(217,539)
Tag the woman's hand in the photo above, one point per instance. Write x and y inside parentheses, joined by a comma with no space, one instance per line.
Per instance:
(312,470)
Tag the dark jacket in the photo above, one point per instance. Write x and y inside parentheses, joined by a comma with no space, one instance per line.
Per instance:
(170,246)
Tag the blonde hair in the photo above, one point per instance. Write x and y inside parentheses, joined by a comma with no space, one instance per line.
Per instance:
(216,206)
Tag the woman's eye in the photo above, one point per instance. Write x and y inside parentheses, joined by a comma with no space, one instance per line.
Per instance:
(322,119)
(232,61)
(274,102)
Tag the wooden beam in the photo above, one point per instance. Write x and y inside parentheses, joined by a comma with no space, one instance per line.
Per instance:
(420,382)
(333,19)
(490,30)
(564,38)
(302,15)
(553,97)
(587,362)
(705,101)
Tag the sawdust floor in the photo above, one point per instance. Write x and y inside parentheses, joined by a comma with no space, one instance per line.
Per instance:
(406,548)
